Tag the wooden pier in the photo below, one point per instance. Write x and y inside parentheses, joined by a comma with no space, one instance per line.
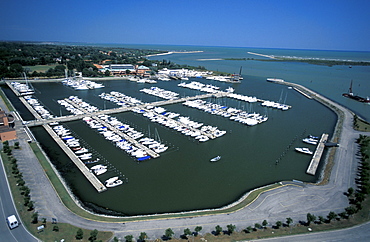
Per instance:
(317,155)
(80,165)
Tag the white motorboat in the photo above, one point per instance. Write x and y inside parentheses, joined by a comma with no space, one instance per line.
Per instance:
(310,141)
(217,158)
(97,167)
(304,150)
(85,156)
(100,171)
(113,182)
(81,151)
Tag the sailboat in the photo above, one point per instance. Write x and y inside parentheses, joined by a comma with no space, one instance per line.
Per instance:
(237,77)
(355,97)
(25,89)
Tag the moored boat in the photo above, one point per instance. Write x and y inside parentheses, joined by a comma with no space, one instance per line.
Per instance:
(310,141)
(113,182)
(304,151)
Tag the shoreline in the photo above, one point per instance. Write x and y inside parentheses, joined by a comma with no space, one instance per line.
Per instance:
(268,56)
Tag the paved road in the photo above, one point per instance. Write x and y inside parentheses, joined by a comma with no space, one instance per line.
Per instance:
(7,208)
(357,233)
(293,200)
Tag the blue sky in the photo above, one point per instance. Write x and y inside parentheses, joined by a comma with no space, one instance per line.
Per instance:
(292,24)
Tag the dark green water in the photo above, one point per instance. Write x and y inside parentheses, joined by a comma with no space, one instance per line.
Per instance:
(182,178)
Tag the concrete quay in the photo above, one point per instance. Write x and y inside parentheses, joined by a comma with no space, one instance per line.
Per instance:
(317,155)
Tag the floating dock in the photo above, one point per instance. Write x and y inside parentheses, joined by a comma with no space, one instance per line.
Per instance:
(317,155)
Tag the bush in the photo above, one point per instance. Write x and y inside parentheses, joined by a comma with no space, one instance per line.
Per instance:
(35,218)
(56,228)
(79,234)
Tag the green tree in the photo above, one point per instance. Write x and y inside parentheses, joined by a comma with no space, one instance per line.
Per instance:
(30,205)
(55,228)
(249,229)
(264,223)
(230,228)
(331,216)
(278,224)
(360,197)
(350,210)
(350,191)
(321,219)
(142,236)
(257,226)
(289,221)
(342,215)
(168,233)
(26,200)
(197,229)
(35,218)
(16,67)
(79,234)
(93,235)
(187,232)
(128,238)
(21,182)
(218,229)
(107,73)
(310,218)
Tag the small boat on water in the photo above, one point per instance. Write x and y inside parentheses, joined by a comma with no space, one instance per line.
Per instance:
(217,158)
(113,182)
(304,151)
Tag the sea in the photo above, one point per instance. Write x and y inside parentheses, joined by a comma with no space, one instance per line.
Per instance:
(183,178)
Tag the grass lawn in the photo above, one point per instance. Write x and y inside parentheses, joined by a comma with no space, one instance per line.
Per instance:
(40,68)
(360,124)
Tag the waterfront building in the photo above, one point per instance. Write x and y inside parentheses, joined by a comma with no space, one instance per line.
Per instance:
(7,131)
(143,71)
(119,69)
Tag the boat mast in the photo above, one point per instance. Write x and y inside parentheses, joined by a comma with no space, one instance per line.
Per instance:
(350,89)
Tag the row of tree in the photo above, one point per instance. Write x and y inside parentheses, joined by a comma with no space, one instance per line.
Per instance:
(24,189)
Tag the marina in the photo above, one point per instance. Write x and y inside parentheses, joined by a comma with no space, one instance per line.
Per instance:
(243,147)
(146,148)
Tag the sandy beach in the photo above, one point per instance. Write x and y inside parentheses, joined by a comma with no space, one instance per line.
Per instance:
(176,52)
(268,56)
